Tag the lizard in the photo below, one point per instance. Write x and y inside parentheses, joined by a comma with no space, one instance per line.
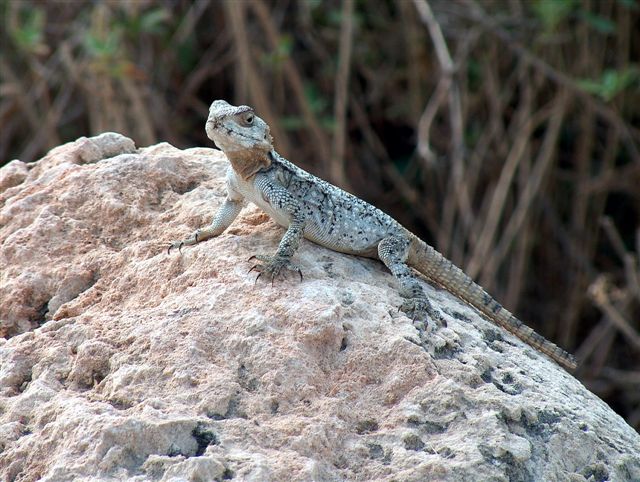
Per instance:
(309,207)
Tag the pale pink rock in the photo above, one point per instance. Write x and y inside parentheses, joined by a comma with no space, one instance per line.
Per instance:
(12,174)
(121,362)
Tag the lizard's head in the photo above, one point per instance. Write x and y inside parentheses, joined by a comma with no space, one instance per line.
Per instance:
(237,129)
(242,135)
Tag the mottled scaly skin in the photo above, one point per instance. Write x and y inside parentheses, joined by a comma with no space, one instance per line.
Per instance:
(325,214)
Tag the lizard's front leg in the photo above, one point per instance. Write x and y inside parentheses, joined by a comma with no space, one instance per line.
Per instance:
(393,252)
(271,266)
(283,200)
(223,218)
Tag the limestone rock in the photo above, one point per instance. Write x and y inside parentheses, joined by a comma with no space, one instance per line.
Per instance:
(120,362)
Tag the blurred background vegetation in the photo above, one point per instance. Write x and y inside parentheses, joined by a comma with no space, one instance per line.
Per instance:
(506,133)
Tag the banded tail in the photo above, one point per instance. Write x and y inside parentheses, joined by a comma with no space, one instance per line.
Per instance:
(436,267)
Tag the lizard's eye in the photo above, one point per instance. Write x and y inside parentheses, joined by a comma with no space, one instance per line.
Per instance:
(248,119)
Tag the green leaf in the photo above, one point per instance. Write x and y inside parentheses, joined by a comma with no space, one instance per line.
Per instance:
(277,56)
(316,101)
(102,46)
(552,12)
(612,82)
(187,54)
(153,21)
(474,75)
(599,23)
(28,36)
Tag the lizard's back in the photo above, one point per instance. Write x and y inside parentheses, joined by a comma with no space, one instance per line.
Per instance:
(334,218)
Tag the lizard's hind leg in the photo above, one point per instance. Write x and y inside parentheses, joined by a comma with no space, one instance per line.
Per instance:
(393,251)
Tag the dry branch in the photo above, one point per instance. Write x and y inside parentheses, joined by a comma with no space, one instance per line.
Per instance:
(293,77)
(247,77)
(457,193)
(336,168)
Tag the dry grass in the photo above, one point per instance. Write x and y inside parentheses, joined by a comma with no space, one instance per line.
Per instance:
(506,133)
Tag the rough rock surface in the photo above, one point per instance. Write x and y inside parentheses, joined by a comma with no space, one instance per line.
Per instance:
(120,362)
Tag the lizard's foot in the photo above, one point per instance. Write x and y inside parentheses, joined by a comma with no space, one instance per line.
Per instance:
(420,311)
(272,266)
(185,242)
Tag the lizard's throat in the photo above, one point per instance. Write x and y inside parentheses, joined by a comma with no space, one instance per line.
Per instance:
(247,162)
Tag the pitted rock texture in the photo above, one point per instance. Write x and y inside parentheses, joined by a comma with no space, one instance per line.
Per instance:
(120,362)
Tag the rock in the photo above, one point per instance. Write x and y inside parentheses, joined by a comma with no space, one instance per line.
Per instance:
(13,174)
(120,362)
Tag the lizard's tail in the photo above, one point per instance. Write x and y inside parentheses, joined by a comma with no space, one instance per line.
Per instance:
(439,269)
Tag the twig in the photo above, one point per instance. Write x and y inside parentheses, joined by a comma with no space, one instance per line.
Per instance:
(543,162)
(214,59)
(587,242)
(595,341)
(457,194)
(493,135)
(424,10)
(631,268)
(414,45)
(189,20)
(407,192)
(336,167)
(519,264)
(427,118)
(247,76)
(138,112)
(495,211)
(444,87)
(598,294)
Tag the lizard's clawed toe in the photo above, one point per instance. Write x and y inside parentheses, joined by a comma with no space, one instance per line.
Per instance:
(273,266)
(420,311)
(176,245)
(184,242)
